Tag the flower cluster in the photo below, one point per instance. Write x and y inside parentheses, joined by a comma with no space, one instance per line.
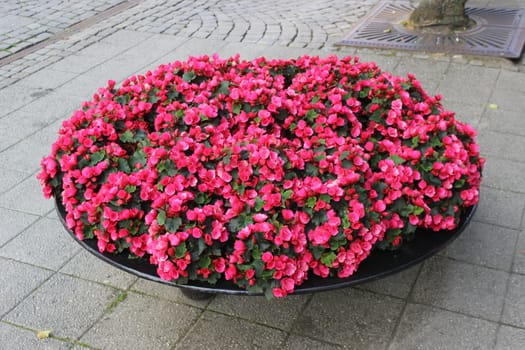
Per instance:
(261,172)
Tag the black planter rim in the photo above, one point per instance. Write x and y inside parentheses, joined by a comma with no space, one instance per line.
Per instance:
(377,265)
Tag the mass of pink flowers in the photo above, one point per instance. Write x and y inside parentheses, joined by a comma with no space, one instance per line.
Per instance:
(261,172)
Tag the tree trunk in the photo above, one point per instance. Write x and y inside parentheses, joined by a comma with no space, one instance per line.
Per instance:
(449,13)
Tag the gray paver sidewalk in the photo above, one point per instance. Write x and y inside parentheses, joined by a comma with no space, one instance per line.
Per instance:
(471,296)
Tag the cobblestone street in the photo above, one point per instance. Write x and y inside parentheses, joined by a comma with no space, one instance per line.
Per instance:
(54,54)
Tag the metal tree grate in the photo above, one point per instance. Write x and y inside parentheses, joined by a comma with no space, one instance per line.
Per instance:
(498,32)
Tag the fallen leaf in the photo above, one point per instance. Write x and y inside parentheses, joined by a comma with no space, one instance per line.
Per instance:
(387,30)
(493,106)
(43,334)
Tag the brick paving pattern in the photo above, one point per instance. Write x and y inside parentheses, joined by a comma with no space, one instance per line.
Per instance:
(470,296)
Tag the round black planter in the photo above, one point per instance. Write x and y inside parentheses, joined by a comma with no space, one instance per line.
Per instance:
(378,265)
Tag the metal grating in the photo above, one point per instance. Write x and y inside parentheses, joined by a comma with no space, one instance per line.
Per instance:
(498,32)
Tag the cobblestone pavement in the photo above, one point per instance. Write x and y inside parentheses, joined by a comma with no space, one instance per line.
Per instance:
(471,296)
(27,22)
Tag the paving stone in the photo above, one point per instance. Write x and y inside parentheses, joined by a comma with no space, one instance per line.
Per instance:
(513,81)
(385,63)
(9,178)
(77,64)
(18,125)
(503,146)
(26,155)
(499,207)
(102,50)
(514,311)
(47,79)
(424,327)
(465,112)
(27,197)
(295,342)
(68,306)
(116,69)
(18,95)
(195,47)
(84,87)
(129,326)
(213,329)
(484,244)
(429,78)
(510,338)
(57,105)
(350,317)
(54,249)
(12,223)
(18,338)
(276,52)
(27,279)
(504,121)
(504,174)
(279,313)
(442,283)
(154,47)
(125,38)
(166,292)
(519,259)
(86,265)
(508,100)
(481,83)
(397,285)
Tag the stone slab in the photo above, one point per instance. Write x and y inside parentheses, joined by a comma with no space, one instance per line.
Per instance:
(68,306)
(129,326)
(350,317)
(53,250)
(279,313)
(27,279)
(514,311)
(85,265)
(18,338)
(426,327)
(443,283)
(231,333)
(484,244)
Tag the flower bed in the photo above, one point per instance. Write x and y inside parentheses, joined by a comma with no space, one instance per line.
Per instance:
(261,172)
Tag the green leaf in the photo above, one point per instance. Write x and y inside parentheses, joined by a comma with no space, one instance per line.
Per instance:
(139,157)
(259,204)
(126,136)
(236,108)
(189,76)
(204,261)
(123,165)
(201,198)
(315,99)
(418,210)
(286,195)
(344,155)
(97,157)
(173,224)
(328,259)
(347,164)
(152,96)
(310,202)
(224,87)
(397,159)
(180,250)
(161,217)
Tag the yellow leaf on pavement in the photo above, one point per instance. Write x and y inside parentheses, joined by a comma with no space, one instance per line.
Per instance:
(493,106)
(43,334)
